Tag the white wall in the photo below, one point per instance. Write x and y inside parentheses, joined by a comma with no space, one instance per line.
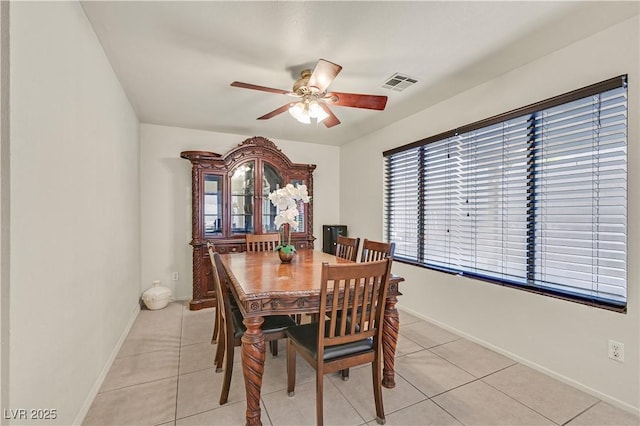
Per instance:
(166,196)
(566,339)
(75,216)
(4,203)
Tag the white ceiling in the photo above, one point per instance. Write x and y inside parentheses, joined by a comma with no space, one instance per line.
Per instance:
(176,59)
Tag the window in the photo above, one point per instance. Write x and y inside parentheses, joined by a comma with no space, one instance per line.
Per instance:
(534,198)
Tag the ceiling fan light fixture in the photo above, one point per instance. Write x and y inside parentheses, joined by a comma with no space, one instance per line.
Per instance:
(316,111)
(307,110)
(300,112)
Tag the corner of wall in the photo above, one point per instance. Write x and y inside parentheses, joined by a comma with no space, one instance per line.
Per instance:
(84,409)
(4,204)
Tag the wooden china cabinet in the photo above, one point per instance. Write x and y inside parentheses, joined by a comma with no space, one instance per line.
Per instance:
(230,199)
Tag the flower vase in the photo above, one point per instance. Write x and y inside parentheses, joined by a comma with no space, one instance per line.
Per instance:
(286,256)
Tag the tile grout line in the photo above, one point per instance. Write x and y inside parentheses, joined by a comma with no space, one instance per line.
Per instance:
(263,404)
(512,397)
(447,411)
(175,411)
(432,346)
(431,398)
(582,412)
(466,371)
(397,373)
(346,398)
(476,379)
(137,384)
(454,388)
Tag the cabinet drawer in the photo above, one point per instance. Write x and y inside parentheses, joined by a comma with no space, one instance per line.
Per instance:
(229,248)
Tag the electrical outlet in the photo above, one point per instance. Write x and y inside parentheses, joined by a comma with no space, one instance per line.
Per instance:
(175,276)
(616,351)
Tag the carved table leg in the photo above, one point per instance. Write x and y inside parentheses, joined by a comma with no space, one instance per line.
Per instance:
(253,354)
(390,331)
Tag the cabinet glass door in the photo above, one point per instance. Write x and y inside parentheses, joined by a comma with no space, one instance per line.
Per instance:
(242,196)
(212,204)
(271,180)
(301,210)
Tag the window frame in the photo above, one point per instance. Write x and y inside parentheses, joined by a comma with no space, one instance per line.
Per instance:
(532,109)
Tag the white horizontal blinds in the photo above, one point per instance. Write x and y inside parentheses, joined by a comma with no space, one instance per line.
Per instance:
(515,196)
(475,190)
(460,231)
(497,197)
(437,180)
(402,209)
(581,215)
(535,197)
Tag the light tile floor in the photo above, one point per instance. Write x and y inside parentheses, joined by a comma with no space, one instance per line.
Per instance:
(163,375)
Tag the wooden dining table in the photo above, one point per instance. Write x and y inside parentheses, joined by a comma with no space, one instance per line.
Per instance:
(263,285)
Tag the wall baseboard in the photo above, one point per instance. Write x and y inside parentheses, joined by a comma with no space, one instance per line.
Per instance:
(564,379)
(84,409)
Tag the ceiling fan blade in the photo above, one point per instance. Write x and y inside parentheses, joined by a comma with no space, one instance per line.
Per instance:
(356,100)
(275,112)
(331,120)
(261,88)
(322,76)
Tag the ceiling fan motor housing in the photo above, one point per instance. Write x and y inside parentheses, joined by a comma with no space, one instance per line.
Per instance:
(300,85)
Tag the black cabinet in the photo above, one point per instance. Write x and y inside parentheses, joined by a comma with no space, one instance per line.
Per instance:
(330,235)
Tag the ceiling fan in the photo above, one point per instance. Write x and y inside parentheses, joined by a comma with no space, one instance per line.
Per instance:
(314,100)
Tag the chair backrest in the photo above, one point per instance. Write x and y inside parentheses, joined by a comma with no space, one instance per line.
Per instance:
(222,293)
(214,269)
(365,291)
(263,242)
(221,313)
(374,250)
(347,248)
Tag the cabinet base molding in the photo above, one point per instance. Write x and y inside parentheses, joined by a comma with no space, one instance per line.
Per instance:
(196,305)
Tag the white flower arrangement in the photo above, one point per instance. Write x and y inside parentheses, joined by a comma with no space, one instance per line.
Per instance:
(286,200)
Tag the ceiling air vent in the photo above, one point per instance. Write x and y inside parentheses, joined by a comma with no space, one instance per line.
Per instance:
(399,82)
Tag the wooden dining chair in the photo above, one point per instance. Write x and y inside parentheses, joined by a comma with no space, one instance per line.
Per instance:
(347,248)
(216,324)
(374,250)
(333,343)
(262,242)
(232,301)
(231,328)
